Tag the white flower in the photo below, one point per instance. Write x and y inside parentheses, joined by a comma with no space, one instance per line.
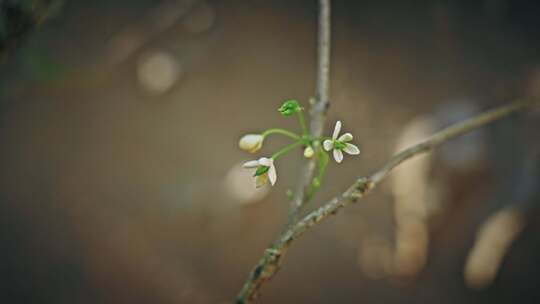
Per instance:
(340,144)
(251,142)
(265,171)
(308,152)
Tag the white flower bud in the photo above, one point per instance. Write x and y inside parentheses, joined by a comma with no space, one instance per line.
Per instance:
(308,152)
(251,142)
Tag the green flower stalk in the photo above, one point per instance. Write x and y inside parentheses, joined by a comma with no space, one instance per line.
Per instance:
(265,170)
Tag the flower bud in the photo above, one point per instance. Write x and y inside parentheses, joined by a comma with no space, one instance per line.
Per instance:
(251,142)
(289,107)
(308,152)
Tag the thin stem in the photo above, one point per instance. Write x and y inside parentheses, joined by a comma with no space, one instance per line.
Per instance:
(302,123)
(282,132)
(323,164)
(323,158)
(323,68)
(270,262)
(318,109)
(288,148)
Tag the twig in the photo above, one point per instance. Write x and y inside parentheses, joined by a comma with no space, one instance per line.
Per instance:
(319,107)
(270,263)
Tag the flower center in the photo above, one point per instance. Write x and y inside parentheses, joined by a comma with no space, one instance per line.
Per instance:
(261,170)
(339,145)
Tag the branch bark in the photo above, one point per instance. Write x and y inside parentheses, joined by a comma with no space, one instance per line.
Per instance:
(319,107)
(271,261)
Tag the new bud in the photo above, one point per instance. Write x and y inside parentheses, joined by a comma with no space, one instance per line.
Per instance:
(251,142)
(289,107)
(308,152)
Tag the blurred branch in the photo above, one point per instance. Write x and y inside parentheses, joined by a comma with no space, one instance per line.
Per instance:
(135,36)
(318,108)
(18,19)
(270,263)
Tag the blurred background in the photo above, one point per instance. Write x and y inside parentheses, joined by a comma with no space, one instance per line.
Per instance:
(120,173)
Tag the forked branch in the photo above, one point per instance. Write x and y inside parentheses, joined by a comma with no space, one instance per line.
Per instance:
(273,256)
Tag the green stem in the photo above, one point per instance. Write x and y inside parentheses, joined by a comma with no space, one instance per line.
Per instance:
(322,164)
(282,132)
(287,149)
(302,123)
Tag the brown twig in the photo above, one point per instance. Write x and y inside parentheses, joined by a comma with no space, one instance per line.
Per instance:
(270,263)
(318,108)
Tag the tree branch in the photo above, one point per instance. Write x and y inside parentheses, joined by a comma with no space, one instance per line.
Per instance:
(319,107)
(270,263)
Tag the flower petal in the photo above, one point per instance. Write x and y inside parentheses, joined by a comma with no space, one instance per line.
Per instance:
(261,180)
(345,137)
(266,161)
(251,164)
(337,128)
(328,145)
(272,174)
(338,155)
(351,149)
